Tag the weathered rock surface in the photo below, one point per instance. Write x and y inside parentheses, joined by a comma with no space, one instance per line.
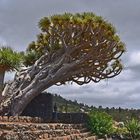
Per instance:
(28,128)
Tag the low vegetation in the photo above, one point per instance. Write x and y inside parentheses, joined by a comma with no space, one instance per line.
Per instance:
(118,114)
(133,127)
(100,123)
(114,122)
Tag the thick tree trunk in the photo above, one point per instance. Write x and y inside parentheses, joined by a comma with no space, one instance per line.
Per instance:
(22,101)
(30,82)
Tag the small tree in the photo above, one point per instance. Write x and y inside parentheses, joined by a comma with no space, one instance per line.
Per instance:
(71,48)
(9,61)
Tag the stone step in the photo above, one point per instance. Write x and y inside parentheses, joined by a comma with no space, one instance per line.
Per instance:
(37,131)
(91,138)
(24,128)
(23,119)
(81,136)
(85,134)
(45,133)
(40,126)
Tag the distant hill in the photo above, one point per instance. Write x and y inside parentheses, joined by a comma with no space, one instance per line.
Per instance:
(68,105)
(118,114)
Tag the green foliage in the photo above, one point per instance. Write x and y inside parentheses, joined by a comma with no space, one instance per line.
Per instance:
(30,57)
(10,60)
(100,123)
(120,131)
(133,127)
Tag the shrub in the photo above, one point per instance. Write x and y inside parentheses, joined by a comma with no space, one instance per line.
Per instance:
(133,127)
(120,132)
(100,123)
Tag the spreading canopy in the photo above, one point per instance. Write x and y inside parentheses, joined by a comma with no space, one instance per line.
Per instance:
(70,48)
(86,39)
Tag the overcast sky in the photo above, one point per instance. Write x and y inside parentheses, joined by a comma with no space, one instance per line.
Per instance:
(18,27)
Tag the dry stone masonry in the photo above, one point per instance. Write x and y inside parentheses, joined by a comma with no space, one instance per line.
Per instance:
(28,128)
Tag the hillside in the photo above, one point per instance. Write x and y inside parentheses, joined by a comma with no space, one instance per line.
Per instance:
(118,114)
(68,105)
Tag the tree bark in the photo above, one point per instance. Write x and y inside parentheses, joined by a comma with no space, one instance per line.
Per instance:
(2,74)
(30,82)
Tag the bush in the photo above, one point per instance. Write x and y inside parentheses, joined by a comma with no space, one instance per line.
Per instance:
(100,123)
(120,132)
(133,127)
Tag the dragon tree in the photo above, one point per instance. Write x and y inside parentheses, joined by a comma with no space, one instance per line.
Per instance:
(77,48)
(9,61)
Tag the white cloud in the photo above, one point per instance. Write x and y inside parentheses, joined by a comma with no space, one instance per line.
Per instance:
(135,58)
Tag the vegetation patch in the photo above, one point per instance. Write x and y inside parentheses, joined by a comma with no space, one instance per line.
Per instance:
(100,123)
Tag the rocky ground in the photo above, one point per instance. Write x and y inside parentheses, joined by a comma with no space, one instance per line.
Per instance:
(28,128)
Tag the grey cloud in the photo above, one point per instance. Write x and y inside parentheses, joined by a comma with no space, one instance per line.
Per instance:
(21,17)
(18,27)
(102,94)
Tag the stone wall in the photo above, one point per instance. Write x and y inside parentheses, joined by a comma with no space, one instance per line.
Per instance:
(21,119)
(72,118)
(69,118)
(40,106)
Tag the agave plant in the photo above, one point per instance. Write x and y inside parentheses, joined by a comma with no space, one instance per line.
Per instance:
(133,127)
(10,60)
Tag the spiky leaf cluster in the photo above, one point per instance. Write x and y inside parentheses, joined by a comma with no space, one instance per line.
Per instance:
(10,60)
